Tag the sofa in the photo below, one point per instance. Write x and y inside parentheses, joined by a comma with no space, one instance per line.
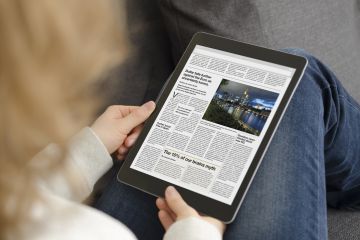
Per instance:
(159,31)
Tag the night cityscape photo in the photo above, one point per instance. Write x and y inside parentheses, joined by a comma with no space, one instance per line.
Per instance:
(240,107)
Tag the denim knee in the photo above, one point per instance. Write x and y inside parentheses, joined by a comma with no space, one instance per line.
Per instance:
(315,72)
(299,52)
(313,62)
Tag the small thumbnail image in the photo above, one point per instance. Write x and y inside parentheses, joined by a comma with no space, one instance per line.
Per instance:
(241,107)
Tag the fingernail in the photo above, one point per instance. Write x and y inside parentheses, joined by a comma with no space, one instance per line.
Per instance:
(159,201)
(171,191)
(149,105)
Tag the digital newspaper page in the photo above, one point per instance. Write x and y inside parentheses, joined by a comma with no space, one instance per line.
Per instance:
(213,122)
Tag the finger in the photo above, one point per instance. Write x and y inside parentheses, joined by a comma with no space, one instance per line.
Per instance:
(123,150)
(130,140)
(177,204)
(120,157)
(165,219)
(136,117)
(120,110)
(126,110)
(162,205)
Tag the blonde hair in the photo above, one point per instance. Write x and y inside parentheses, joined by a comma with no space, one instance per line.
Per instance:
(50,54)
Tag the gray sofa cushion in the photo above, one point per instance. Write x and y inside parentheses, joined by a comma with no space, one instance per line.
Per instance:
(330,29)
(149,63)
(343,225)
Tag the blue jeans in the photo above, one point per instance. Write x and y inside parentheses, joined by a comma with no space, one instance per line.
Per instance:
(313,160)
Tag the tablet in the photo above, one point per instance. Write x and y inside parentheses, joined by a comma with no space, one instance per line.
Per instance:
(213,122)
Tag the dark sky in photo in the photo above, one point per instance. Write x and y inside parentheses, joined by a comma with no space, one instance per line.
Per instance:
(257,95)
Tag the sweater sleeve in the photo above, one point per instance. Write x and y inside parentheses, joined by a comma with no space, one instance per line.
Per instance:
(192,228)
(86,161)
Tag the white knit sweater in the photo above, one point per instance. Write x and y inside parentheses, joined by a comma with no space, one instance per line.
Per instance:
(61,215)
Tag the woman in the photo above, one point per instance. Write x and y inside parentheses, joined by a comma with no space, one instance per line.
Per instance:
(51,52)
(50,49)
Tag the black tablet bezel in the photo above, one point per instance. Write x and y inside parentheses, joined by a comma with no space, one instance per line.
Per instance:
(206,205)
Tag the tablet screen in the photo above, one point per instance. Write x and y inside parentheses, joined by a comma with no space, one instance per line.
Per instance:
(212,123)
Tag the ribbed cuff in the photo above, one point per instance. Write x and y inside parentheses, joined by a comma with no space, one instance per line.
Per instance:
(90,155)
(192,228)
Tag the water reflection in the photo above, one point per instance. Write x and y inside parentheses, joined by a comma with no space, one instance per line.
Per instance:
(254,120)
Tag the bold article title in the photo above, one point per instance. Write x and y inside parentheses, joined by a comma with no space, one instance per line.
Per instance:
(190,160)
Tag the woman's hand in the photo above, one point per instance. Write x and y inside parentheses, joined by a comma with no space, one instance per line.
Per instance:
(119,126)
(173,208)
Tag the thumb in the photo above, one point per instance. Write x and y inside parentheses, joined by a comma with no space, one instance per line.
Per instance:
(136,117)
(177,204)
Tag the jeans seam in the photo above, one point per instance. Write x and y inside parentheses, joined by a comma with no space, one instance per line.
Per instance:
(327,87)
(318,180)
(355,107)
(350,103)
(322,94)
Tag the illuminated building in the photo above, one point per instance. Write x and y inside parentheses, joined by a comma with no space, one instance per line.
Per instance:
(236,113)
(244,100)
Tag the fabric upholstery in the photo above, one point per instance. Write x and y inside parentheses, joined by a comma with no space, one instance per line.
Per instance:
(329,29)
(149,63)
